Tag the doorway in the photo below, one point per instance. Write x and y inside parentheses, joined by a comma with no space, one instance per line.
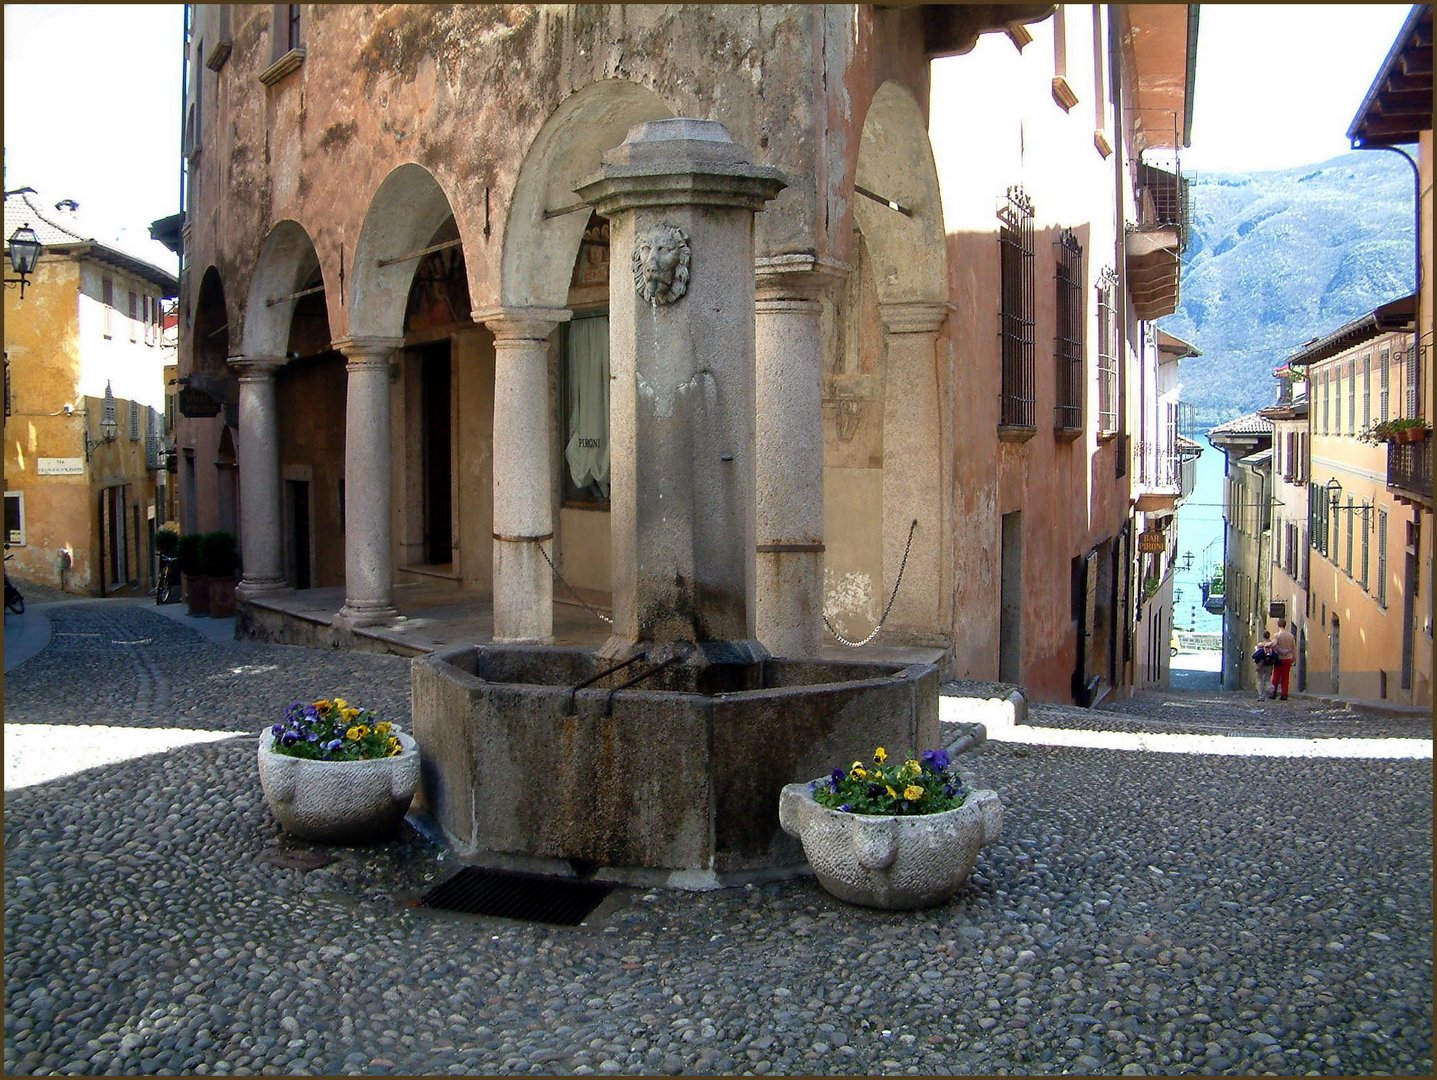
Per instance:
(1010,601)
(1336,655)
(436,405)
(297,534)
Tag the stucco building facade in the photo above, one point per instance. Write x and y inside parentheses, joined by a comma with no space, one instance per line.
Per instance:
(1364,582)
(85,351)
(394,290)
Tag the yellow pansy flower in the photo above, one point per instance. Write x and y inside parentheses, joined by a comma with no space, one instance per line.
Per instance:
(911,769)
(322,705)
(340,703)
(913,793)
(394,746)
(858,772)
(383,727)
(356,733)
(892,794)
(348,715)
(880,755)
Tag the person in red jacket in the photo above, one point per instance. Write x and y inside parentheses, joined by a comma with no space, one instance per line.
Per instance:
(1284,647)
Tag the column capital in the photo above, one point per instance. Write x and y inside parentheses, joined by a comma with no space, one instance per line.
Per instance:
(251,368)
(914,316)
(797,274)
(521,323)
(367,350)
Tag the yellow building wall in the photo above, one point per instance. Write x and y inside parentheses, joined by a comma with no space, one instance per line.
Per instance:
(1355,632)
(42,350)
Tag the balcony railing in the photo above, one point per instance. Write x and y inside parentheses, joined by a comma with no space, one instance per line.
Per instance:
(1409,471)
(1163,201)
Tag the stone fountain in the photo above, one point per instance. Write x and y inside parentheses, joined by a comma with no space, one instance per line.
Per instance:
(660,755)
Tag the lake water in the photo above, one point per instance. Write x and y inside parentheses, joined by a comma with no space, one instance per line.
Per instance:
(1200,530)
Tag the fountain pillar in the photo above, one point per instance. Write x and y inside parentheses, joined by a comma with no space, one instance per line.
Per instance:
(680,197)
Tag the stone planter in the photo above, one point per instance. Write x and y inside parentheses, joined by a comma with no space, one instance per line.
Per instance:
(222,597)
(891,862)
(197,594)
(339,802)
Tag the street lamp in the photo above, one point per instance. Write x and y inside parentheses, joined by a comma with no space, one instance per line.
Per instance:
(24,254)
(1334,493)
(1187,561)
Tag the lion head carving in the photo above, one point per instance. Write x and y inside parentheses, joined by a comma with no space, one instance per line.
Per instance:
(661,264)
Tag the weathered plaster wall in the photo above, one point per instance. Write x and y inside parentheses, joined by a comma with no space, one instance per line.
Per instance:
(1067,492)
(60,357)
(311,397)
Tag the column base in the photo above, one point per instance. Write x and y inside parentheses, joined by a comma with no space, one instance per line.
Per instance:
(255,587)
(523,640)
(349,617)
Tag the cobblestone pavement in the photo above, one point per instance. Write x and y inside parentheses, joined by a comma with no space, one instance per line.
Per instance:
(1142,913)
(1219,712)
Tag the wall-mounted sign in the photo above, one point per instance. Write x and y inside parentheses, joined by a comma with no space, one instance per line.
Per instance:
(1151,542)
(195,403)
(60,466)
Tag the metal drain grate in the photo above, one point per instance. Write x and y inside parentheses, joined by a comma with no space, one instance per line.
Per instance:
(506,894)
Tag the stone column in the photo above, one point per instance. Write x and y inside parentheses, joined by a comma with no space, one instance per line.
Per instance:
(788,425)
(523,472)
(680,196)
(260,514)
(915,396)
(368,560)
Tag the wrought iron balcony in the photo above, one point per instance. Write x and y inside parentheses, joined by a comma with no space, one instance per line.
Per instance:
(1409,471)
(1164,202)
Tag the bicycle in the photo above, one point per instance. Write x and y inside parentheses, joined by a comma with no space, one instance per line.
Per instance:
(13,600)
(167,584)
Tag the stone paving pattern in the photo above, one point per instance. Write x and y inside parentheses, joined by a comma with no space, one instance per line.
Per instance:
(1231,713)
(1142,913)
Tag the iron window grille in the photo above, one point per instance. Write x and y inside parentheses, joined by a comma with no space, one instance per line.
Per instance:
(1015,238)
(1107,353)
(1069,345)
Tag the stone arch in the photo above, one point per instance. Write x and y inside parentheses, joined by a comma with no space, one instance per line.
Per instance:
(287,263)
(895,160)
(210,335)
(407,210)
(890,397)
(538,257)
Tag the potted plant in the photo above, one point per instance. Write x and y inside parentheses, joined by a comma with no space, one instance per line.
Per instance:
(1402,429)
(891,836)
(218,561)
(336,774)
(197,586)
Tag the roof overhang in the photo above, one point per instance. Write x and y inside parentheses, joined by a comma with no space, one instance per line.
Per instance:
(1398,105)
(167,230)
(168,283)
(1163,38)
(953,29)
(1172,347)
(1395,315)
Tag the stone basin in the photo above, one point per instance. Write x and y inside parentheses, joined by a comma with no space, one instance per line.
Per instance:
(674,780)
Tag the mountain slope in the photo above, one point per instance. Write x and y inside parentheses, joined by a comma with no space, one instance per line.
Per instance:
(1278,258)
